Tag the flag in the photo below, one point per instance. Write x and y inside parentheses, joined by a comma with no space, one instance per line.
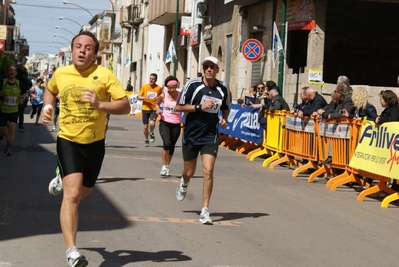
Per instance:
(111,63)
(171,52)
(277,45)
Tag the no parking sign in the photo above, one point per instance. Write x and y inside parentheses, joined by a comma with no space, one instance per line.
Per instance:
(252,50)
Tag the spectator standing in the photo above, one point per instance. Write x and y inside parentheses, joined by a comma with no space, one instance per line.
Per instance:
(149,93)
(344,96)
(202,98)
(315,102)
(80,141)
(304,99)
(278,102)
(362,107)
(329,108)
(169,125)
(129,86)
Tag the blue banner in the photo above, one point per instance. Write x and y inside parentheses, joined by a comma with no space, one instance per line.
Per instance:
(243,123)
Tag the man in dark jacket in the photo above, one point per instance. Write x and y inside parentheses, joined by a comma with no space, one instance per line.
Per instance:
(344,95)
(315,103)
(278,102)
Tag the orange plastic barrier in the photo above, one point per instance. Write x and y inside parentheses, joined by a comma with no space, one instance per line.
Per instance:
(299,141)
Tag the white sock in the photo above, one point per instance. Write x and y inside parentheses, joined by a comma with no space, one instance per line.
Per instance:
(72,253)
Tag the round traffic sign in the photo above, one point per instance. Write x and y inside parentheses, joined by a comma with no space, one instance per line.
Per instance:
(252,49)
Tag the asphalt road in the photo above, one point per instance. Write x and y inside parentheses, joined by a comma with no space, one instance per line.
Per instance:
(261,217)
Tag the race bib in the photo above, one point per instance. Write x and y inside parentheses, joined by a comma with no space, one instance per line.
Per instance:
(12,100)
(170,109)
(215,106)
(152,95)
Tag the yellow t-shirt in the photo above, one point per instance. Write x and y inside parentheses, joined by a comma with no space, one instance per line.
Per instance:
(78,121)
(152,92)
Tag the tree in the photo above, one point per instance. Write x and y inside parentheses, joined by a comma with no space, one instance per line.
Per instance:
(4,63)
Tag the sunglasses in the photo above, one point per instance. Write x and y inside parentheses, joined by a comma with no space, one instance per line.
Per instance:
(209,66)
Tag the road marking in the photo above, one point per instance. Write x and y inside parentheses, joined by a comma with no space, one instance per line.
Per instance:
(163,180)
(159,220)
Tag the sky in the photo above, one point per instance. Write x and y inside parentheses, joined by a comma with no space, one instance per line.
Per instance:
(38,19)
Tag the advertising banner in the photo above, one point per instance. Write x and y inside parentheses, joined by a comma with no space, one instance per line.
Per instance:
(377,150)
(243,124)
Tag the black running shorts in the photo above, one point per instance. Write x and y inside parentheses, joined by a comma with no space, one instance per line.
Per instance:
(190,152)
(81,158)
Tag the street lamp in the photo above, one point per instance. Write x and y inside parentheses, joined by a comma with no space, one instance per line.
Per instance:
(62,18)
(55,35)
(58,27)
(69,3)
(53,46)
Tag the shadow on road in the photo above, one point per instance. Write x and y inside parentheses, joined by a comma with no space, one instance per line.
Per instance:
(123,257)
(228,216)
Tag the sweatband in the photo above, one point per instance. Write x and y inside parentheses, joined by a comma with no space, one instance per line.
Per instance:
(48,106)
(172,83)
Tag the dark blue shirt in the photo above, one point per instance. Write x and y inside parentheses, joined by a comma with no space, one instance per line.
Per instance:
(201,128)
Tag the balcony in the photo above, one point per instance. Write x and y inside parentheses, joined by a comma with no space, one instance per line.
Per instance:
(164,12)
(125,19)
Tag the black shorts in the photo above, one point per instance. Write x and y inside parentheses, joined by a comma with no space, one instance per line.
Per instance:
(57,111)
(82,158)
(147,115)
(190,152)
(8,117)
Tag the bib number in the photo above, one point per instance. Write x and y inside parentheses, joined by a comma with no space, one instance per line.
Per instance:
(216,104)
(11,101)
(152,95)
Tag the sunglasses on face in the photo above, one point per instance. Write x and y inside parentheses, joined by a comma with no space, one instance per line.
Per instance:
(209,66)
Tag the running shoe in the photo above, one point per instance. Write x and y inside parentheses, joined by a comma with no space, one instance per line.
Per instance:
(205,218)
(55,186)
(152,137)
(146,143)
(167,171)
(7,152)
(181,190)
(75,259)
(163,171)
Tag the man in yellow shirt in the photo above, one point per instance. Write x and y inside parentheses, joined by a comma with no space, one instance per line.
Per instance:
(84,89)
(149,93)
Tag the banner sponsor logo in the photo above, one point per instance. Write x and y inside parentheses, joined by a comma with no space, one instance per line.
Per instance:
(377,150)
(243,123)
